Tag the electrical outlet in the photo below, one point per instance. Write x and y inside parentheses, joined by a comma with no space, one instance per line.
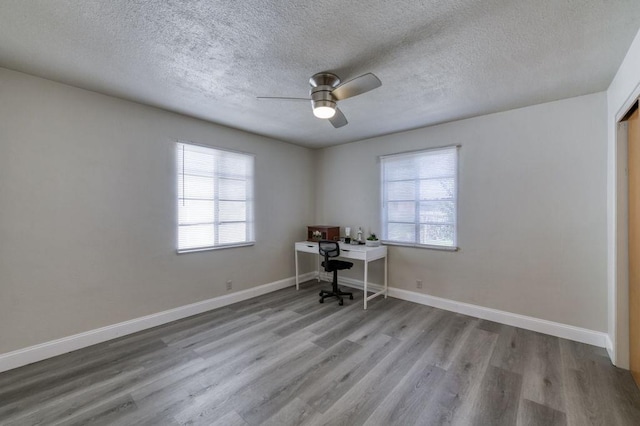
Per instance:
(229,284)
(418,283)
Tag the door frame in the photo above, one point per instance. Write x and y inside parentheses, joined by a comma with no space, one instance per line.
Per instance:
(617,251)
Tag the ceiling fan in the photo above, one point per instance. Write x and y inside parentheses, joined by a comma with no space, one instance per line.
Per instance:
(326,91)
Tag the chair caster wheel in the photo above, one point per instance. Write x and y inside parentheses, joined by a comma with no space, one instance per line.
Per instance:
(320,294)
(341,303)
(351,297)
(321,300)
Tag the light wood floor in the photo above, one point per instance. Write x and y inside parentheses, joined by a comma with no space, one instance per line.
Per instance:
(285,359)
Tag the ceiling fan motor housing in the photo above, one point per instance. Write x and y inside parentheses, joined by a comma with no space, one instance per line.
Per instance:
(322,84)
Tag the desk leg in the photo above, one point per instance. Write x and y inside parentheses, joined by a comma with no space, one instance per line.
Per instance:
(297,277)
(366,273)
(318,256)
(386,286)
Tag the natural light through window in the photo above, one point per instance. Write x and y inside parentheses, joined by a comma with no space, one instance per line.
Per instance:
(419,198)
(215,198)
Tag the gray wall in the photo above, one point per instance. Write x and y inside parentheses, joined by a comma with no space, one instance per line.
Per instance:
(532,210)
(87,211)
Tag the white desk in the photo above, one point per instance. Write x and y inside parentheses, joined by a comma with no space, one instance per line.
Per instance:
(348,251)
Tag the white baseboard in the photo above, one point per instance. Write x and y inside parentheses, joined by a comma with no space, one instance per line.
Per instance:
(64,345)
(610,350)
(557,329)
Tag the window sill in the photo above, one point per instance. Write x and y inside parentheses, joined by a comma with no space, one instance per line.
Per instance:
(221,247)
(421,246)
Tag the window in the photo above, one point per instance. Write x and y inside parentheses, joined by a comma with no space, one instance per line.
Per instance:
(419,198)
(215,198)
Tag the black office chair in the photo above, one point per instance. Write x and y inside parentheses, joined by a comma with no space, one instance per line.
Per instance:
(329,249)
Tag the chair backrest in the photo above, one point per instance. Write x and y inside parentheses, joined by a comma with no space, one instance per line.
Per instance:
(328,249)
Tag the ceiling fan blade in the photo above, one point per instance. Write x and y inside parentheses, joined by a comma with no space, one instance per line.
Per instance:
(356,86)
(282,99)
(338,120)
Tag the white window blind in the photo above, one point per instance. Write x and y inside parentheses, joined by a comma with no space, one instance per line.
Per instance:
(215,198)
(419,197)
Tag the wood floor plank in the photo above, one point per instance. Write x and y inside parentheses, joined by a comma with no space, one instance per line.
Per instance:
(377,317)
(355,406)
(542,376)
(327,390)
(299,304)
(405,324)
(139,417)
(587,399)
(285,359)
(217,397)
(341,330)
(498,397)
(456,394)
(533,414)
(493,327)
(182,328)
(230,419)
(448,345)
(88,397)
(214,333)
(271,392)
(624,395)
(56,385)
(255,304)
(108,413)
(248,333)
(404,405)
(336,315)
(77,370)
(311,303)
(296,412)
(101,353)
(512,349)
(223,380)
(316,313)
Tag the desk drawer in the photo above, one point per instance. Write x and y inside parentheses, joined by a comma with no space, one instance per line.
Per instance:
(353,254)
(307,247)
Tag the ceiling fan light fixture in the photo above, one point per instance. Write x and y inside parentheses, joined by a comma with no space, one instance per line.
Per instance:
(324,112)
(324,109)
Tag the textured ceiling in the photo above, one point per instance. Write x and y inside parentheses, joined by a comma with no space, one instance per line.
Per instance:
(438,60)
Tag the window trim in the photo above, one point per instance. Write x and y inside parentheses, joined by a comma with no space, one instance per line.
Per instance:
(177,215)
(219,247)
(383,210)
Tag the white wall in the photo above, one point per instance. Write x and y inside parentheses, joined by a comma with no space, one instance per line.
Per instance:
(87,211)
(532,212)
(622,93)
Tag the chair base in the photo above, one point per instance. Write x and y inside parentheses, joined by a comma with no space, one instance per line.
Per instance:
(335,292)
